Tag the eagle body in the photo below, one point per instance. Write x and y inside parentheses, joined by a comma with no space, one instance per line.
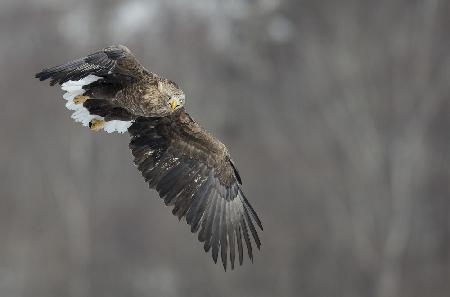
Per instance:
(142,98)
(192,170)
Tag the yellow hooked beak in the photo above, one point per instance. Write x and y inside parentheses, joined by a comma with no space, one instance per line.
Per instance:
(174,103)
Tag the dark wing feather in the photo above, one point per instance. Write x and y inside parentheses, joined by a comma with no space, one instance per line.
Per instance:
(114,63)
(193,171)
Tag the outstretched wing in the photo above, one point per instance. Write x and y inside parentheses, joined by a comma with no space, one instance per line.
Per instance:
(99,76)
(115,63)
(193,171)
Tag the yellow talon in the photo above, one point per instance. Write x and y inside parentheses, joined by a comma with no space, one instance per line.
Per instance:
(80,99)
(96,124)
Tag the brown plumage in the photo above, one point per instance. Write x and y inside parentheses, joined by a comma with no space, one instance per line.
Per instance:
(191,170)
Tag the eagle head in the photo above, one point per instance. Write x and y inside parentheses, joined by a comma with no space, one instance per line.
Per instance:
(175,97)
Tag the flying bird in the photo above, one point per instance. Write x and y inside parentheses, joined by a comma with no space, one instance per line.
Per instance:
(192,171)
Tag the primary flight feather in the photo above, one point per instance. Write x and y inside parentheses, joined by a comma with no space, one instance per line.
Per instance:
(191,170)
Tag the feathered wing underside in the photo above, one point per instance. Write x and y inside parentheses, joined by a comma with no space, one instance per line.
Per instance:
(192,172)
(100,74)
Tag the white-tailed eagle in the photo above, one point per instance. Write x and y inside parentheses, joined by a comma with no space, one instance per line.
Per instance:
(191,170)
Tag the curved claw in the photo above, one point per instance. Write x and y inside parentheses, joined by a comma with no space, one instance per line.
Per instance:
(80,99)
(96,125)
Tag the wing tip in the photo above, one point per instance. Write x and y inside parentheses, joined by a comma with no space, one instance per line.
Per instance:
(250,209)
(42,75)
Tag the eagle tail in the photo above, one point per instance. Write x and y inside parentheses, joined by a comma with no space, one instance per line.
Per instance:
(103,112)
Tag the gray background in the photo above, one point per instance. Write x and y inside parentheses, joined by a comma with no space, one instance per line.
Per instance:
(336,113)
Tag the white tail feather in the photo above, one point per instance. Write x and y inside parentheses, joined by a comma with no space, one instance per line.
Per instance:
(81,114)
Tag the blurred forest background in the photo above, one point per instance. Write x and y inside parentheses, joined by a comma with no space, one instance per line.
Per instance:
(336,112)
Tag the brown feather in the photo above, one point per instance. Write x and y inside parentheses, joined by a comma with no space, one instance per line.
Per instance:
(203,183)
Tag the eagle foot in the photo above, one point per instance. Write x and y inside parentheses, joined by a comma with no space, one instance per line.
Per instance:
(80,99)
(96,125)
